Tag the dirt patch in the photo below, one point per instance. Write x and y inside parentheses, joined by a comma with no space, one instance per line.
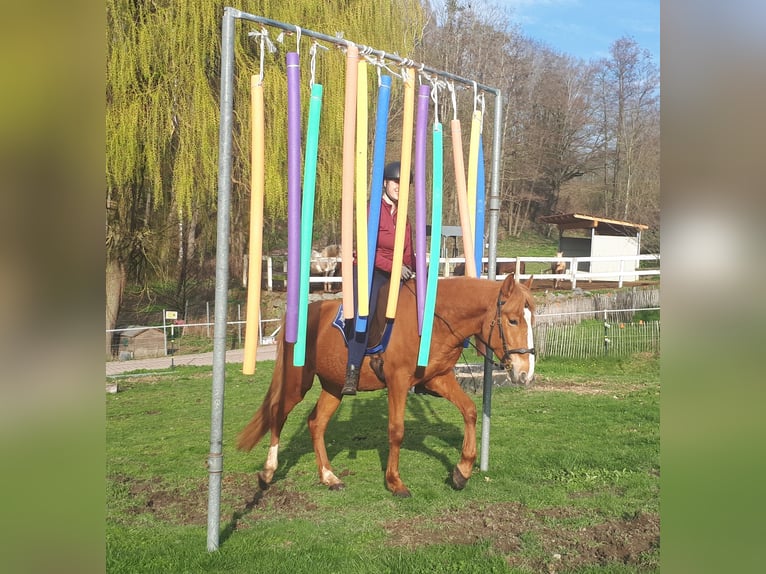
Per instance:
(548,540)
(541,540)
(579,388)
(594,387)
(189,508)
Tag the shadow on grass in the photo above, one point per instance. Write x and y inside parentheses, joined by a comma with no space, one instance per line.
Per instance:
(365,428)
(231,527)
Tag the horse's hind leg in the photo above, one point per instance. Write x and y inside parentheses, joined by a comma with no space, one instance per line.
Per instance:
(297,383)
(317,422)
(448,387)
(397,397)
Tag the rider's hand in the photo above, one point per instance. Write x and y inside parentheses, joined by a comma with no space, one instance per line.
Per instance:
(407,273)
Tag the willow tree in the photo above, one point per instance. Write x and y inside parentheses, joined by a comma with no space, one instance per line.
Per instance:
(162,124)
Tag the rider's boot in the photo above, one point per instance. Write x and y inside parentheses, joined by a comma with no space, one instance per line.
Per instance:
(352,380)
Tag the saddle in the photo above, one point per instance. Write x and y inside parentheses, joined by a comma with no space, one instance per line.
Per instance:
(378,327)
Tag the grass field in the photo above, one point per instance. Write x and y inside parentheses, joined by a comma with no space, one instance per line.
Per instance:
(572,485)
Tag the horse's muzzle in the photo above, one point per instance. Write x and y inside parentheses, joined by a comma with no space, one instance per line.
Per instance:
(518,377)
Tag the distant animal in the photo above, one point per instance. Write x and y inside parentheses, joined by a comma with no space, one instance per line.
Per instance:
(501,268)
(506,267)
(499,315)
(325,263)
(558,268)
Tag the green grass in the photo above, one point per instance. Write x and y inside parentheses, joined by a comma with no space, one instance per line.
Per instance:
(527,245)
(562,461)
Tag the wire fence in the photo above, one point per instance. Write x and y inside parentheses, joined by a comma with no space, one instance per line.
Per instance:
(619,332)
(593,338)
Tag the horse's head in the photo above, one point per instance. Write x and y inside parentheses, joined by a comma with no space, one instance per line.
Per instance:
(510,333)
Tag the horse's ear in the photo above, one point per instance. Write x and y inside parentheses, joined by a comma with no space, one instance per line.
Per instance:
(529,282)
(508,284)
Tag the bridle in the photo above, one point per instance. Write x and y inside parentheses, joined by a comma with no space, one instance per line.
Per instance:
(498,317)
(497,321)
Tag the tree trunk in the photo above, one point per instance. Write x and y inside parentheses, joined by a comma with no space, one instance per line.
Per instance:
(116,279)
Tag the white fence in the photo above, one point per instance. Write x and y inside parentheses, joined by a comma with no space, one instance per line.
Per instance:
(626,269)
(621,304)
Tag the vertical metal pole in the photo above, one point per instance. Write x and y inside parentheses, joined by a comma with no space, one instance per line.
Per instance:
(494,215)
(215,458)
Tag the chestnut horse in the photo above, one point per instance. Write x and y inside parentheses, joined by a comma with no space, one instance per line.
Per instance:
(499,315)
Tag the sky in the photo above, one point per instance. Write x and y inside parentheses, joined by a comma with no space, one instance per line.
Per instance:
(586,28)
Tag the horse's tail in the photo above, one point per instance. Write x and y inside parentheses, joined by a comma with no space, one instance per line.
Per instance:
(261,421)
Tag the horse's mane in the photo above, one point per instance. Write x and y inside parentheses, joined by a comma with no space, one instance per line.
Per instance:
(471,285)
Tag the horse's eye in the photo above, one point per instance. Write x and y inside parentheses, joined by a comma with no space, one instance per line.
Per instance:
(513,322)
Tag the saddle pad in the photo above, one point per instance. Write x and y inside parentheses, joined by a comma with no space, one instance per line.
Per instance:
(340,323)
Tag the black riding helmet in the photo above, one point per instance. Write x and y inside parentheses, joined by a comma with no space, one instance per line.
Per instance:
(392,171)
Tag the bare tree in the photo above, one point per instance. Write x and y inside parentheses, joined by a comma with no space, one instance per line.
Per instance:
(552,139)
(628,84)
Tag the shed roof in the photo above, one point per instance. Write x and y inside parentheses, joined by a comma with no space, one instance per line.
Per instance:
(135,330)
(602,224)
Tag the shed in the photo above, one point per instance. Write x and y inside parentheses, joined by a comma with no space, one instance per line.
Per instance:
(603,238)
(141,343)
(451,233)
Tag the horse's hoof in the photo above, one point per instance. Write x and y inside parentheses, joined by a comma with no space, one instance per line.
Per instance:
(458,480)
(403,493)
(262,484)
(337,486)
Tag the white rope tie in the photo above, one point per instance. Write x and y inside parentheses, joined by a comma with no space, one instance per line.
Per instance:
(265,43)
(451,88)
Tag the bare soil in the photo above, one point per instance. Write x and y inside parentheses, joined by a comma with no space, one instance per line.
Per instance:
(507,526)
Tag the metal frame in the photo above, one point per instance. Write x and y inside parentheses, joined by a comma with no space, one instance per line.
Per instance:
(215,457)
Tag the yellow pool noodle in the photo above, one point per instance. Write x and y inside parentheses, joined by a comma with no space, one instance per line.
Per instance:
(363,280)
(255,251)
(404,192)
(347,186)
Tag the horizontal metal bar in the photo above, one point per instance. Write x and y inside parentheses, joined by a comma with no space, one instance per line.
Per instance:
(362,48)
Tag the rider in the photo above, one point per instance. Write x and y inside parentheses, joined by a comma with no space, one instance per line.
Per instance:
(384,255)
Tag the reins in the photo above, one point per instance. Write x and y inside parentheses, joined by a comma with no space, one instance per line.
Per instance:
(498,318)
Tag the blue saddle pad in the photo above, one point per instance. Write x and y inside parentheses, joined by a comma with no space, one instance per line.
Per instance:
(340,323)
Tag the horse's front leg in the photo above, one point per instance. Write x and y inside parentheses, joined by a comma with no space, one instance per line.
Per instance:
(317,422)
(397,398)
(448,387)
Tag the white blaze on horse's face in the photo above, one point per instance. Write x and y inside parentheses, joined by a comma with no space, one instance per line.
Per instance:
(522,362)
(530,343)
(518,347)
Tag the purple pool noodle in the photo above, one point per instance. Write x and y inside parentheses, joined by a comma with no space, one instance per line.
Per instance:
(478,244)
(420,200)
(293,195)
